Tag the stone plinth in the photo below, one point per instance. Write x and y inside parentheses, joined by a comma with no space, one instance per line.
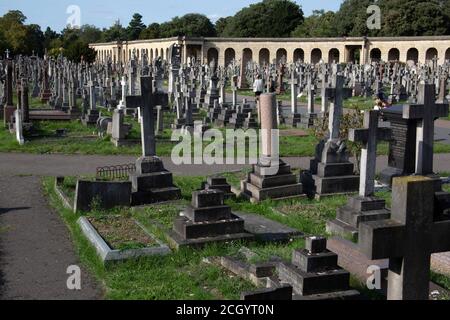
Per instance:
(314,273)
(152,182)
(218,183)
(260,186)
(358,209)
(207,220)
(91,117)
(331,172)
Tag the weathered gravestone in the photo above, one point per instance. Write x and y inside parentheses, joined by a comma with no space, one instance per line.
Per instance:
(331,170)
(151,182)
(271,178)
(207,220)
(218,183)
(408,238)
(119,129)
(9,108)
(314,273)
(365,206)
(411,147)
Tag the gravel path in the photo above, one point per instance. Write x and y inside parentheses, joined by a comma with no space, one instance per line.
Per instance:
(55,165)
(35,246)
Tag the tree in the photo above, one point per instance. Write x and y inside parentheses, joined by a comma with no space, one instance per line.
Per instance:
(398,18)
(135,27)
(153,31)
(115,33)
(35,40)
(269,18)
(191,25)
(352,17)
(221,24)
(78,51)
(319,24)
(90,34)
(49,36)
(14,31)
(415,18)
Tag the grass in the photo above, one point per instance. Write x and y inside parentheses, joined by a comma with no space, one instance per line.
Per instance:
(183,274)
(80,139)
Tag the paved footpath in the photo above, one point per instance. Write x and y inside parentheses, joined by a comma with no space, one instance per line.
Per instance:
(56,165)
(35,246)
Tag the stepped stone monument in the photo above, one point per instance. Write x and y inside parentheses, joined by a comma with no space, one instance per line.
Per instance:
(331,169)
(408,238)
(218,183)
(365,206)
(207,220)
(152,182)
(271,178)
(314,273)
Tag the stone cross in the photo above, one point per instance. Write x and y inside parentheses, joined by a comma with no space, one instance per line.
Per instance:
(311,93)
(294,91)
(92,98)
(159,120)
(19,126)
(335,93)
(234,84)
(122,105)
(147,122)
(7,53)
(323,92)
(9,84)
(425,112)
(25,101)
(408,238)
(369,137)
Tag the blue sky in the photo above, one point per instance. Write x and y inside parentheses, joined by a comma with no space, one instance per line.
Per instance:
(102,13)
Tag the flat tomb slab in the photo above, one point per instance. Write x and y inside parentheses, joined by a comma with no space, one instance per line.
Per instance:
(122,251)
(267,230)
(177,242)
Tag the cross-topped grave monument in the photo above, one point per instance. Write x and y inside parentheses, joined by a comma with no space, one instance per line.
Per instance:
(152,182)
(365,206)
(408,238)
(331,169)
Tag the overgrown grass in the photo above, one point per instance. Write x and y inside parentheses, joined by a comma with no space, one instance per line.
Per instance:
(183,274)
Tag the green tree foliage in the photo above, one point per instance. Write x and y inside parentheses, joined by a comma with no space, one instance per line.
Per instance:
(18,37)
(191,25)
(78,51)
(352,17)
(115,33)
(415,17)
(269,18)
(153,31)
(135,27)
(398,18)
(49,37)
(319,24)
(90,34)
(221,24)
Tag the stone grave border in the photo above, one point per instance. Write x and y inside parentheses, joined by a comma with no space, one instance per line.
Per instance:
(61,195)
(107,254)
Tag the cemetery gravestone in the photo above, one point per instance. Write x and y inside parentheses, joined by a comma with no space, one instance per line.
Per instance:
(408,238)
(271,178)
(365,206)
(152,182)
(207,220)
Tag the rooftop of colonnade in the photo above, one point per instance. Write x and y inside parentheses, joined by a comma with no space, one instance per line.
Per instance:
(286,40)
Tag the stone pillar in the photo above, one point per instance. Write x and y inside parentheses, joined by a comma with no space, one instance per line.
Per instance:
(268,111)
